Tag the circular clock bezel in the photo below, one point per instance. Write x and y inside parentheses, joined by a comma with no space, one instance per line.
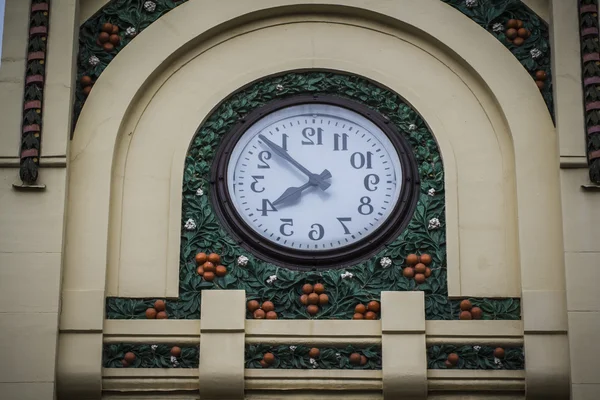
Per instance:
(291,258)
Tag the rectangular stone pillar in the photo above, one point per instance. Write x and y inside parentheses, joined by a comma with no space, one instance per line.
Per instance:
(404,352)
(222,344)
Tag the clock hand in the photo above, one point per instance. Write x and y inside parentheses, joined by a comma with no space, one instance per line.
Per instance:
(284,154)
(294,193)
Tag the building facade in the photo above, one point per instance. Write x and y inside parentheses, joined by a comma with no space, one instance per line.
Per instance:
(167,232)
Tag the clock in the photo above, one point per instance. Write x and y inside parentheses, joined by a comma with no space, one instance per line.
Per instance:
(314,182)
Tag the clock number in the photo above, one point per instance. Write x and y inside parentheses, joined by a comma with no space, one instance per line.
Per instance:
(316,234)
(253,184)
(369,182)
(358,160)
(286,222)
(336,141)
(310,132)
(262,156)
(267,206)
(284,139)
(365,202)
(342,220)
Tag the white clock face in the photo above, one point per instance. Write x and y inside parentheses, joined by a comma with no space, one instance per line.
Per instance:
(314,177)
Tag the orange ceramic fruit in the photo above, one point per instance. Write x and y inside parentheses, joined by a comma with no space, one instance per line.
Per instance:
(358,316)
(162,315)
(253,305)
(115,29)
(519,24)
(412,259)
(312,309)
(511,33)
(448,364)
(160,305)
(476,313)
(115,39)
(269,358)
(465,315)
(307,288)
(370,315)
(323,299)
(268,306)
(209,267)
(373,306)
(360,308)
(453,358)
(271,315)
(304,299)
(314,353)
(465,305)
(124,363)
(129,357)
(427,272)
(319,288)
(354,359)
(420,278)
(86,90)
(103,37)
(499,353)
(313,298)
(175,351)
(221,270)
(201,258)
(151,313)
(363,360)
(512,23)
(523,33)
(208,276)
(409,272)
(420,268)
(541,75)
(425,259)
(214,258)
(107,27)
(108,46)
(540,84)
(518,41)
(264,364)
(259,314)
(200,270)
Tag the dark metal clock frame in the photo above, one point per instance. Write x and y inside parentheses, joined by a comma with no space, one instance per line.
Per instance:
(305,259)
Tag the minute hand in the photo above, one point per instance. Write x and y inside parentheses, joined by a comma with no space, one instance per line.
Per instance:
(284,154)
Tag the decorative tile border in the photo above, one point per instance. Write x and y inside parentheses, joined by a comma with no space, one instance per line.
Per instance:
(475,357)
(35,76)
(124,355)
(303,357)
(590,62)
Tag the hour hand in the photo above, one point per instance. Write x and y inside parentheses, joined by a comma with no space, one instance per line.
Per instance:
(314,178)
(293,193)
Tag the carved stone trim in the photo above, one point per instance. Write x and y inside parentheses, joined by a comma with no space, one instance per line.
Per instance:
(35,74)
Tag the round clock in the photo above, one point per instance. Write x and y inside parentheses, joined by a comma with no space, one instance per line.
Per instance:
(314,181)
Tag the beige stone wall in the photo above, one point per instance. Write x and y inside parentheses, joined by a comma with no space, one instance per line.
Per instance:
(32,221)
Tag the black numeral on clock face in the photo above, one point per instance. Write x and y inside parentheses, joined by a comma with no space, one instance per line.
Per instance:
(286,222)
(253,184)
(342,220)
(263,156)
(308,133)
(267,207)
(371,179)
(317,232)
(340,142)
(358,160)
(365,207)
